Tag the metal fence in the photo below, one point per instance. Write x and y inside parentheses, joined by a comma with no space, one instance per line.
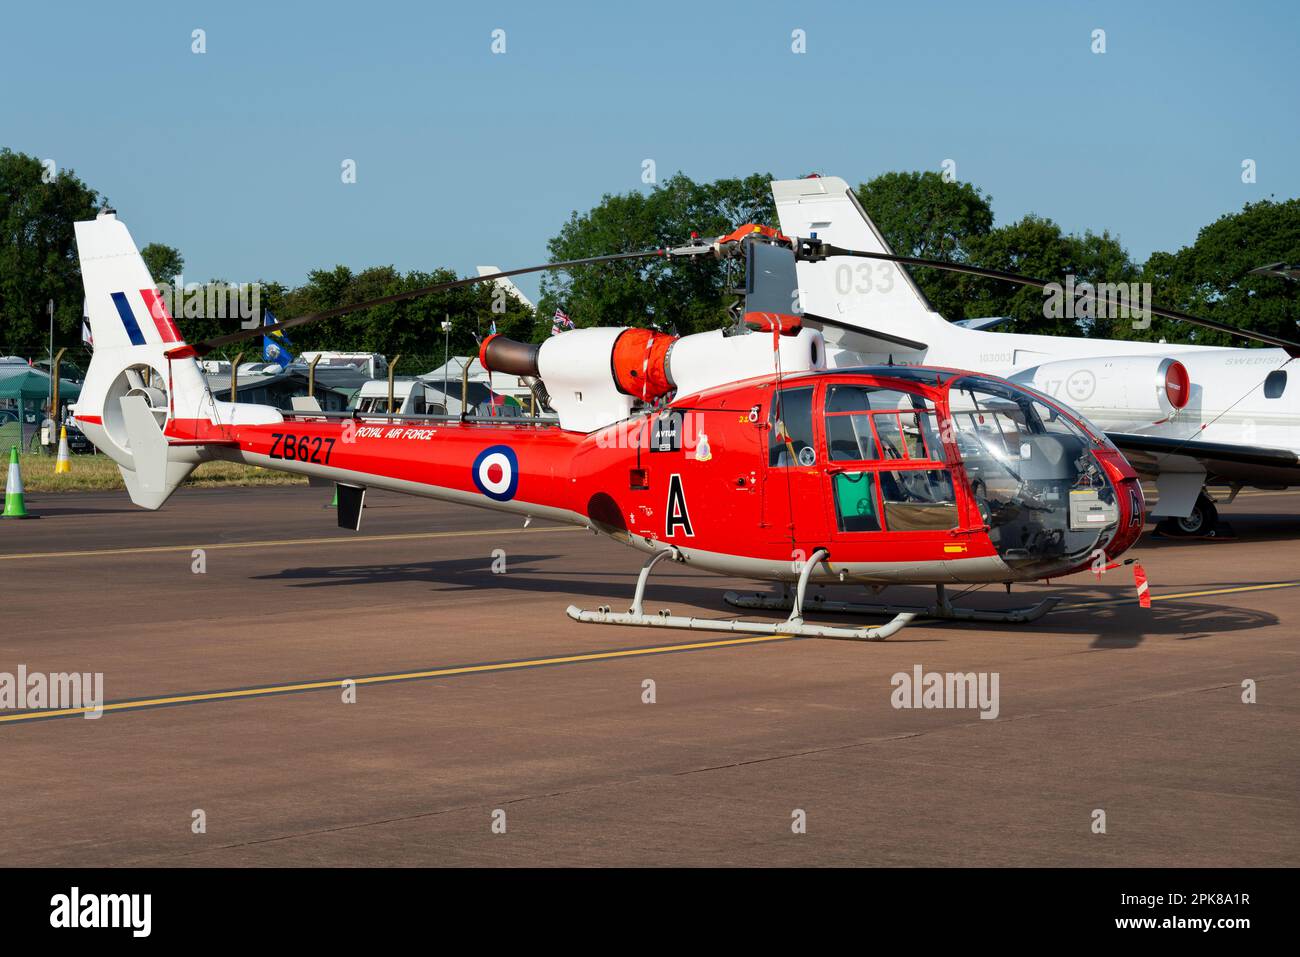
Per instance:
(20,425)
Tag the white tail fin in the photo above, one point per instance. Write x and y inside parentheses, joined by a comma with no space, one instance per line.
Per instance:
(132,331)
(134,393)
(873,295)
(122,303)
(505,285)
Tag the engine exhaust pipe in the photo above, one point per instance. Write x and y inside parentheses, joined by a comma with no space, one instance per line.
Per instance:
(499,354)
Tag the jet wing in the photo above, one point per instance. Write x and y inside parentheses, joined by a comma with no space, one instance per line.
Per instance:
(988,322)
(1217,458)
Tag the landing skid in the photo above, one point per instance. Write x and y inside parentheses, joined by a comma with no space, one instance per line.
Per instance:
(794,625)
(796,602)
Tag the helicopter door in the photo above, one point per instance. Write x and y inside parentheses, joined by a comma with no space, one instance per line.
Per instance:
(887,470)
(792,481)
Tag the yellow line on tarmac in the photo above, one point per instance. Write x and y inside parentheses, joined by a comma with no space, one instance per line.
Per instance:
(284,542)
(390,678)
(1185,594)
(1225,591)
(265,690)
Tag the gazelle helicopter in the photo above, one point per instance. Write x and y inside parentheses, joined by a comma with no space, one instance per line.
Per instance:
(734,451)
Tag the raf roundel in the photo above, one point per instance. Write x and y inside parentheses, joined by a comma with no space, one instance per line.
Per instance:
(496,472)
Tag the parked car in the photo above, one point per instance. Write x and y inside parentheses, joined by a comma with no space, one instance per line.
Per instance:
(78,444)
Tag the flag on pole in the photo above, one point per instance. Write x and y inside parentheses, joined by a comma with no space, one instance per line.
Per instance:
(560,322)
(275,345)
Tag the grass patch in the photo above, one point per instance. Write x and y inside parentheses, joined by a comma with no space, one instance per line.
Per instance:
(92,473)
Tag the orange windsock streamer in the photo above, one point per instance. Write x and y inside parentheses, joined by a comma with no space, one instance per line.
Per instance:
(1144,589)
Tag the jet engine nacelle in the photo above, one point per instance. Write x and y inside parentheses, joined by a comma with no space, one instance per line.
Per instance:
(594,376)
(1134,386)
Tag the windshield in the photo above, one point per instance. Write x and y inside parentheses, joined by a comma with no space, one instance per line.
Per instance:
(1031,473)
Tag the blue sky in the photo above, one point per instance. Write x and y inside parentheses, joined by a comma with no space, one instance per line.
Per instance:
(466,157)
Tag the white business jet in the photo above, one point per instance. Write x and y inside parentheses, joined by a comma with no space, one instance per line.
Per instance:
(1191,417)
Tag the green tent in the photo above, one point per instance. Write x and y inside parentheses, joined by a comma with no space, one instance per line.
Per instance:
(24,382)
(24,392)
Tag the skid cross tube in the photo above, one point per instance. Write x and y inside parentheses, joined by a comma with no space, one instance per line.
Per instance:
(638,598)
(801,589)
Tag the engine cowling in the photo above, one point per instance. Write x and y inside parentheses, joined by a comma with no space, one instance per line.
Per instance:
(595,375)
(1130,387)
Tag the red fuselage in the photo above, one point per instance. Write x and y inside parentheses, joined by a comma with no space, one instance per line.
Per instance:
(903,475)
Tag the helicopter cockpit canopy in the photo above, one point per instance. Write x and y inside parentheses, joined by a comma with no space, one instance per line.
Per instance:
(1033,474)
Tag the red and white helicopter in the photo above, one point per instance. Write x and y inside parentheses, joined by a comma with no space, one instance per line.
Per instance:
(734,451)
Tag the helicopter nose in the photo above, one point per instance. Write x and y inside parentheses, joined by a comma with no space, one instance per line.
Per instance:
(1054,506)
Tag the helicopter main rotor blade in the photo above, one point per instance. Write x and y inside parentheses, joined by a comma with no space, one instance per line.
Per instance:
(199,349)
(815,251)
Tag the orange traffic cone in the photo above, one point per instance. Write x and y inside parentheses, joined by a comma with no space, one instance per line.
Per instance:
(63,464)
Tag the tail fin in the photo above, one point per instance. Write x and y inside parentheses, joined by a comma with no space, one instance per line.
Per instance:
(505,285)
(131,387)
(871,295)
(122,303)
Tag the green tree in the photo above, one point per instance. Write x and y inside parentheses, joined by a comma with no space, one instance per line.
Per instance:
(1036,246)
(412,328)
(690,296)
(165,262)
(38,254)
(921,214)
(1211,278)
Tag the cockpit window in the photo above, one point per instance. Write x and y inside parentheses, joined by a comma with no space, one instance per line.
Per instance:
(986,406)
(895,433)
(867,423)
(866,398)
(918,500)
(1080,425)
(791,442)
(1031,471)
